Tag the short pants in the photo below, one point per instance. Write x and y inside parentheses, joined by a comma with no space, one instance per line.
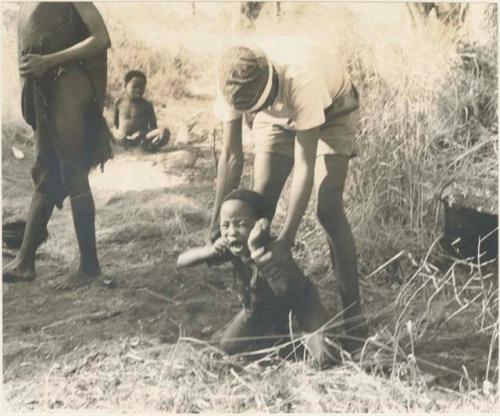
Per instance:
(336,134)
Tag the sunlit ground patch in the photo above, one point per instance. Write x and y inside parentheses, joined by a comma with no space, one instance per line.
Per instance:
(126,173)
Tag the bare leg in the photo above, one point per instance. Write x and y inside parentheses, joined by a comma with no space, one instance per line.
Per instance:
(71,97)
(331,171)
(83,210)
(155,139)
(270,171)
(22,268)
(311,316)
(245,334)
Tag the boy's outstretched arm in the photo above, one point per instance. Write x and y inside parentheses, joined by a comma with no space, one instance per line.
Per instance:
(195,256)
(209,254)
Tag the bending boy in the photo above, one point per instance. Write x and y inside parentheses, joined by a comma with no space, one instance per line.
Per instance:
(306,119)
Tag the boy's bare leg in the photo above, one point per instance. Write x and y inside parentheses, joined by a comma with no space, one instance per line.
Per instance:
(22,268)
(83,212)
(331,171)
(244,334)
(237,336)
(270,171)
(72,94)
(311,316)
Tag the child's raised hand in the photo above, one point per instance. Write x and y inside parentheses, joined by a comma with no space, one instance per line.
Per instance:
(258,235)
(220,246)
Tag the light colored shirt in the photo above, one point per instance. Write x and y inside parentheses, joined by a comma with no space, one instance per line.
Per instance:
(311,77)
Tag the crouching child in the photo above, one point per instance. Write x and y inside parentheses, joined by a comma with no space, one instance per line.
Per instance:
(134,117)
(268,296)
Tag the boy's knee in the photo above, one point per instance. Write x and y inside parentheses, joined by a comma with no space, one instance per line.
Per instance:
(75,177)
(231,347)
(155,139)
(165,135)
(330,211)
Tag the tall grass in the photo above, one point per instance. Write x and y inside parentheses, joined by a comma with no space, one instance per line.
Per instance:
(415,86)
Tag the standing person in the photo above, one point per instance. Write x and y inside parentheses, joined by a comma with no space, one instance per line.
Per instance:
(62,62)
(306,114)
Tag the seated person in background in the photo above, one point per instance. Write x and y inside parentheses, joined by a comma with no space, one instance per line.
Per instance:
(267,296)
(134,117)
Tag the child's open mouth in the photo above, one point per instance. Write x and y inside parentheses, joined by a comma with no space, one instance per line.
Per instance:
(236,247)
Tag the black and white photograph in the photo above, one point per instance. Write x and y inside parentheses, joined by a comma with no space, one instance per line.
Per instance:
(264,207)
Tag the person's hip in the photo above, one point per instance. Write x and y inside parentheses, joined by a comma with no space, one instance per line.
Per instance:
(336,136)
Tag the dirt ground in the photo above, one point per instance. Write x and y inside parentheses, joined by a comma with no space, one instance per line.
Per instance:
(143,207)
(148,211)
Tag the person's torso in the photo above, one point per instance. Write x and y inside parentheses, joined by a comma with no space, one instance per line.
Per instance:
(297,60)
(48,27)
(309,71)
(134,115)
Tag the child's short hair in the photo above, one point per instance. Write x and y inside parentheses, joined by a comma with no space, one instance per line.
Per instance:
(133,74)
(258,202)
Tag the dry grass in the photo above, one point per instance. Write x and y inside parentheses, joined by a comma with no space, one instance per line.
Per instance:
(190,376)
(139,374)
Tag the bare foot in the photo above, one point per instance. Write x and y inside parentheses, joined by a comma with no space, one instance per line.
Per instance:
(73,280)
(322,354)
(79,278)
(15,272)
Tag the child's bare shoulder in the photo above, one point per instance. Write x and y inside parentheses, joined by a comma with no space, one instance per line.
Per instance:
(148,103)
(143,103)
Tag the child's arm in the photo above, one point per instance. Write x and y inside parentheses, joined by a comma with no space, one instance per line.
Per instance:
(209,254)
(153,124)
(195,256)
(97,42)
(116,117)
(275,275)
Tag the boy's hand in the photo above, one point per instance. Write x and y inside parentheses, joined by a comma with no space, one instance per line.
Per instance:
(272,258)
(220,246)
(134,136)
(33,64)
(218,249)
(258,235)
